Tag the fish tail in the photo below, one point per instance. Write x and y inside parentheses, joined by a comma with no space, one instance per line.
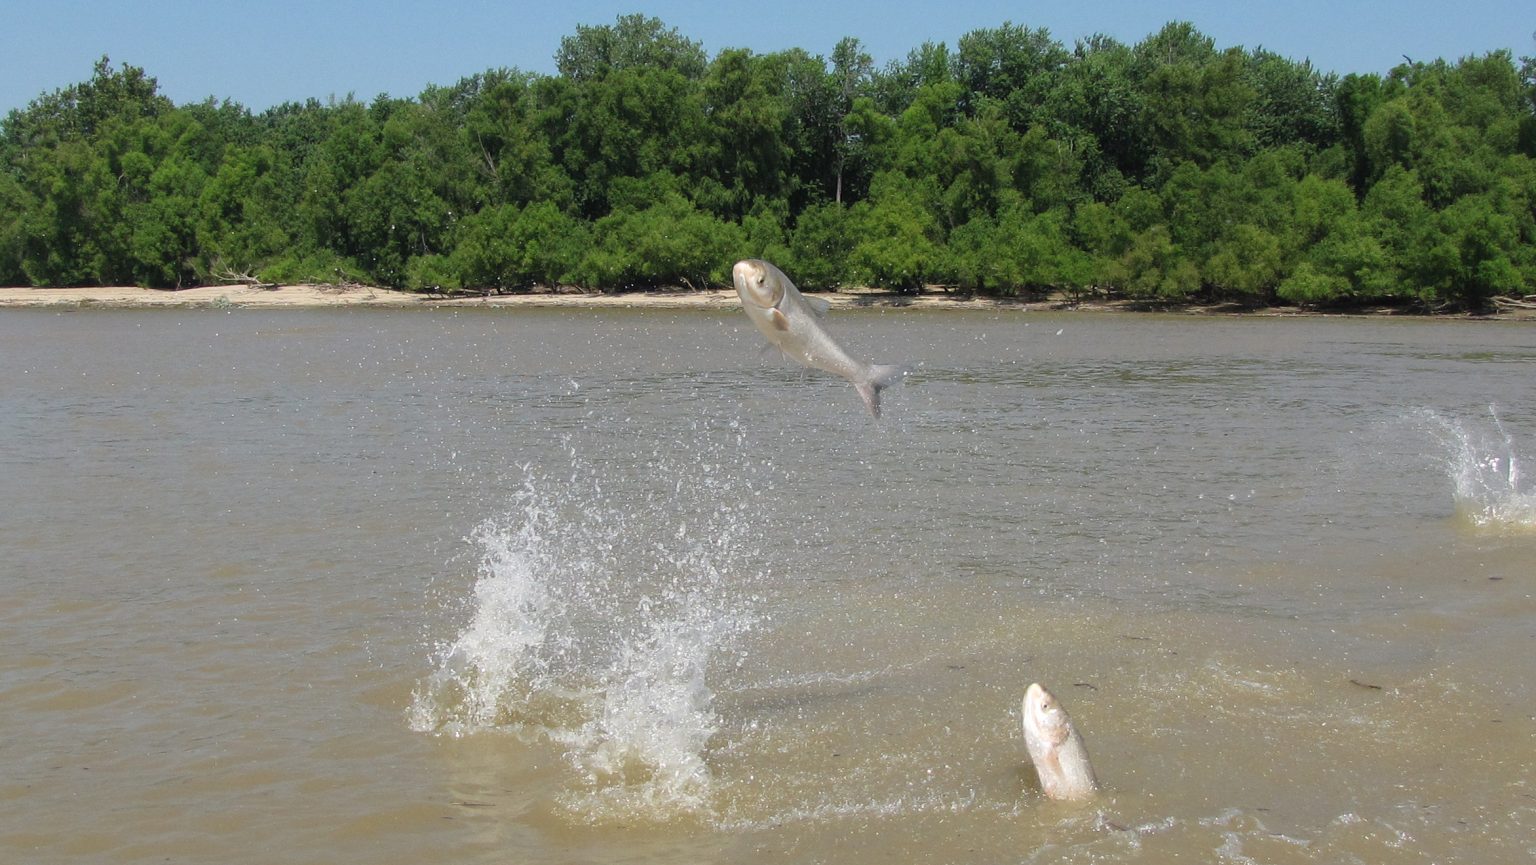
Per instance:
(878,378)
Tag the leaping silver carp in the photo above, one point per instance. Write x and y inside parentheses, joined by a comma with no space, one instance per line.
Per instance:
(1056,749)
(792,323)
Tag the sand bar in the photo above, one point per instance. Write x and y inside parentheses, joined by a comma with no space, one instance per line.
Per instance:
(246,296)
(310,296)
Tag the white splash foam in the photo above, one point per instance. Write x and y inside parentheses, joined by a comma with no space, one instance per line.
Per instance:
(487,669)
(643,753)
(595,616)
(1484,466)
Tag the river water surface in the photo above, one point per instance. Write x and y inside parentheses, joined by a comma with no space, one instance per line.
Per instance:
(577,586)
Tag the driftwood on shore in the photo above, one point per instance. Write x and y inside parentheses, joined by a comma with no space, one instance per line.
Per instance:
(1527,302)
(234,277)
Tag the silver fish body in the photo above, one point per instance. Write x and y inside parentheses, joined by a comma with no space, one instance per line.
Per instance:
(792,323)
(1056,749)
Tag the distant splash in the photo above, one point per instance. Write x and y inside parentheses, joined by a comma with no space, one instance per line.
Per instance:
(1490,487)
(597,612)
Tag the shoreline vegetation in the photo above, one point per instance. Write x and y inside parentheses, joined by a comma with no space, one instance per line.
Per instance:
(1171,173)
(319,296)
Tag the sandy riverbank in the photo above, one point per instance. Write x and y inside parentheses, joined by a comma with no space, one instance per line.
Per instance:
(245,296)
(300,296)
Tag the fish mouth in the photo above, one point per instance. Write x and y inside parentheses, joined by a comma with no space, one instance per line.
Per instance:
(753,283)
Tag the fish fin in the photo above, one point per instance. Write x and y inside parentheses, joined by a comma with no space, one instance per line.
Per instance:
(880,377)
(818,306)
(778,319)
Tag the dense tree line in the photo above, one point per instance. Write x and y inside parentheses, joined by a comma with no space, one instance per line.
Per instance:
(1170,169)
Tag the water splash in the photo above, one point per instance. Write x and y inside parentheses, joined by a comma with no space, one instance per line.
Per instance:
(1490,487)
(485,677)
(643,752)
(604,602)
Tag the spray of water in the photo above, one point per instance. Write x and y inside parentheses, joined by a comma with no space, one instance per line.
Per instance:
(605,600)
(1484,466)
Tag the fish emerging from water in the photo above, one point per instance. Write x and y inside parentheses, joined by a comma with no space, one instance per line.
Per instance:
(1056,749)
(792,323)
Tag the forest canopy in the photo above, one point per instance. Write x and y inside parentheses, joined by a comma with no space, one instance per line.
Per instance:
(1009,163)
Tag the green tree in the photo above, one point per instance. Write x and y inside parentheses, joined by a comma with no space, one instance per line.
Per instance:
(1048,171)
(821,245)
(81,112)
(744,157)
(242,214)
(1356,98)
(898,236)
(1155,270)
(1014,67)
(164,182)
(970,263)
(507,247)
(1105,235)
(1246,263)
(632,122)
(1472,254)
(511,156)
(851,70)
(349,152)
(1098,95)
(1396,214)
(1020,251)
(1390,138)
(1341,258)
(80,156)
(814,130)
(1293,102)
(14,203)
(73,194)
(630,43)
(764,230)
(1169,169)
(421,184)
(1195,100)
(668,242)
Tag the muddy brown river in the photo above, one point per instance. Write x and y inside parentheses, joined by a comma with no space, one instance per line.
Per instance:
(612,587)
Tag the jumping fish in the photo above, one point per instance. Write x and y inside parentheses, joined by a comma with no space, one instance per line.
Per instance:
(792,323)
(1055,747)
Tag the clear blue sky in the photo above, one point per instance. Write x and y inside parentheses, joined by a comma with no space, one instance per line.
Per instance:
(264,53)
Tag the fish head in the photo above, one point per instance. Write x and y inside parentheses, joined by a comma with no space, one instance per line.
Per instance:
(1044,718)
(758,282)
